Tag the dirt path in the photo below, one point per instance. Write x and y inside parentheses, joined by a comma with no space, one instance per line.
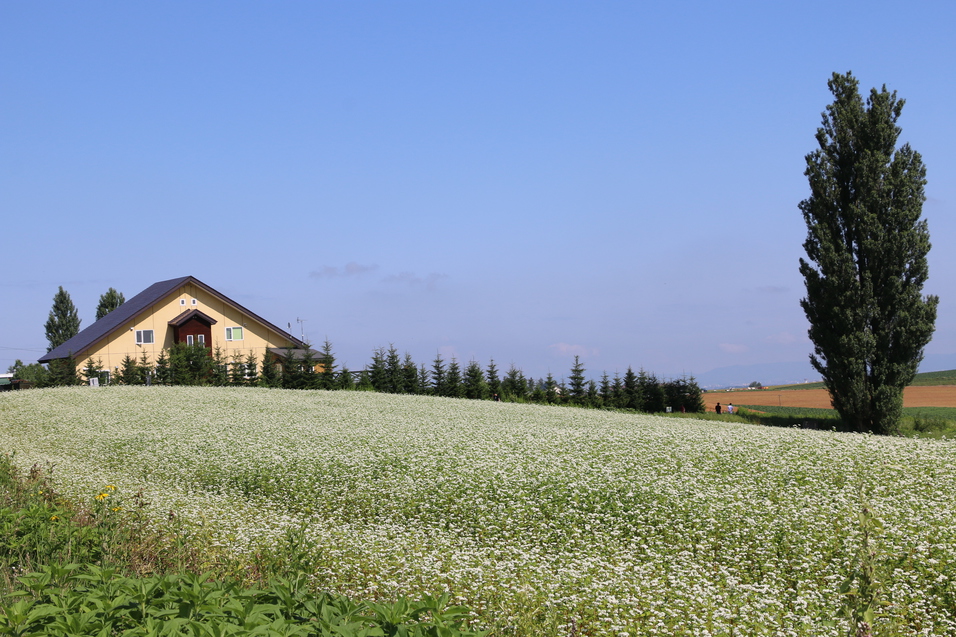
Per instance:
(932,396)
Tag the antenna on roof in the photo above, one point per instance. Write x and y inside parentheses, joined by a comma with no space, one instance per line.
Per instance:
(301,323)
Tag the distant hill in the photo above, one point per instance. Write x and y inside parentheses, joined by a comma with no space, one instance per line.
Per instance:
(923,379)
(802,373)
(764,373)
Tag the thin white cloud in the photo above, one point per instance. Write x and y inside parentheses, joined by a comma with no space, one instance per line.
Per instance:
(429,281)
(781,338)
(350,269)
(733,348)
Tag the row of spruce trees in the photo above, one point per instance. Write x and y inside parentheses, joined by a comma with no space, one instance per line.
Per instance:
(390,372)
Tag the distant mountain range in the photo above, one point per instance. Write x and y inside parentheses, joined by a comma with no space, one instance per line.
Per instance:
(792,372)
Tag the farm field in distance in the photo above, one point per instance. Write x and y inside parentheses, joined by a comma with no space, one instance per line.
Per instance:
(914,396)
(543,520)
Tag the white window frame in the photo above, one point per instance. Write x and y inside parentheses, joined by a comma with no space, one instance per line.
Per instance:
(141,337)
(231,332)
(201,339)
(189,339)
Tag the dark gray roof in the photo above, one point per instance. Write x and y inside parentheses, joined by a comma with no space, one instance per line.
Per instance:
(136,306)
(297,354)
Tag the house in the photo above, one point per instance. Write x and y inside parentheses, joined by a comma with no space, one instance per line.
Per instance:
(183,310)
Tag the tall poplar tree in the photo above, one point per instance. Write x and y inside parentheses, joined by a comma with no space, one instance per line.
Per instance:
(109,301)
(63,322)
(866,257)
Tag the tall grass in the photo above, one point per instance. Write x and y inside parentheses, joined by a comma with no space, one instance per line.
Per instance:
(98,569)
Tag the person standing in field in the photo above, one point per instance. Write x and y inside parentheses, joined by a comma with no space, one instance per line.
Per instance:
(730,408)
(717,409)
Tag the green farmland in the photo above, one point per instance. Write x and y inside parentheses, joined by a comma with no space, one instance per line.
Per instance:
(541,520)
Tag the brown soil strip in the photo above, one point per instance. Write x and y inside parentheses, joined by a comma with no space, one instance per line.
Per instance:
(932,396)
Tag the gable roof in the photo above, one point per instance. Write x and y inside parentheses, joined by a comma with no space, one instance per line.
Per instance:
(188,315)
(138,305)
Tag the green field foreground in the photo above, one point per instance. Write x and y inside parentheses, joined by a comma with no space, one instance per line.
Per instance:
(542,520)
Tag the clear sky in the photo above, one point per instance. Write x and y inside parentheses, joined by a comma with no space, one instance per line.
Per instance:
(523,181)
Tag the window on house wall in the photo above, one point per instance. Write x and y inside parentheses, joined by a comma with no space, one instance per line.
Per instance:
(201,339)
(195,302)
(144,337)
(189,339)
(182,301)
(233,333)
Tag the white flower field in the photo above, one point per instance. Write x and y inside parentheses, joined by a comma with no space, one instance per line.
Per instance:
(542,520)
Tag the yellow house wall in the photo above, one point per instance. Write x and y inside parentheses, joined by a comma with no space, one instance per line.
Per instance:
(114,348)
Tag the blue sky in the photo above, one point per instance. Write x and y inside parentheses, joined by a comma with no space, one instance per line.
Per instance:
(523,181)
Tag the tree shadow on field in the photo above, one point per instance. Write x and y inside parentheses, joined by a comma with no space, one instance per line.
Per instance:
(822,419)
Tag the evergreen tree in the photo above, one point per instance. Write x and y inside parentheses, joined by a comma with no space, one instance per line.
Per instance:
(63,322)
(163,372)
(514,386)
(394,376)
(109,301)
(424,380)
(92,369)
(617,391)
(237,370)
(453,380)
(377,374)
(145,369)
(578,384)
(866,257)
(365,381)
(291,377)
(61,372)
(345,380)
(190,364)
(651,393)
(631,397)
(604,391)
(128,371)
(491,377)
(550,389)
(409,376)
(439,384)
(474,385)
(683,394)
(306,376)
(252,370)
(327,360)
(269,376)
(220,368)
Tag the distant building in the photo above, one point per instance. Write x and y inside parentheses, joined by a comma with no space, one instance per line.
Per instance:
(183,310)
